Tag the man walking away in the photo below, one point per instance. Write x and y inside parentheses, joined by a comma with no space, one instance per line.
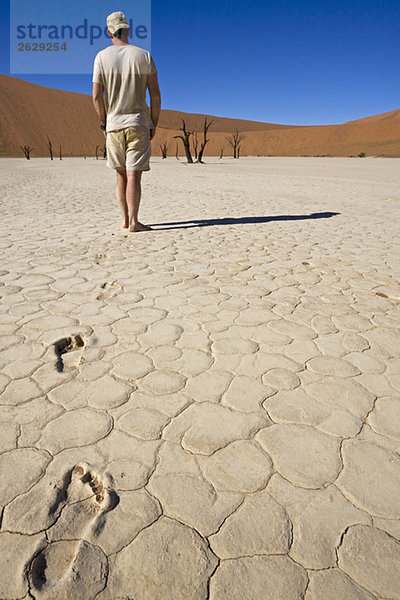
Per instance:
(124,72)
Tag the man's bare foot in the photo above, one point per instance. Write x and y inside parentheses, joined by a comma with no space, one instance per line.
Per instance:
(139,227)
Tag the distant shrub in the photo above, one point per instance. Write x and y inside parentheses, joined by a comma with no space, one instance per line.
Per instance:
(27,151)
(362,155)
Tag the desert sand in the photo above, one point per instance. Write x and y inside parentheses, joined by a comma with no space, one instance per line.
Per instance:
(70,121)
(209,410)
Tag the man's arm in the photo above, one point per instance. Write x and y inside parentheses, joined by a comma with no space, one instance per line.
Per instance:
(98,101)
(155,101)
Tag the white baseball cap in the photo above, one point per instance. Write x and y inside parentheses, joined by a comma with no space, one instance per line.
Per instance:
(117,20)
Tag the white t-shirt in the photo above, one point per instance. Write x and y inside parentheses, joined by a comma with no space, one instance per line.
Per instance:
(123,72)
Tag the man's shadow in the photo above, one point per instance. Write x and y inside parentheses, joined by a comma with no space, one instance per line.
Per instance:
(240,220)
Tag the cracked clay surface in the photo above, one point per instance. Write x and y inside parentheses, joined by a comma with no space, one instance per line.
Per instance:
(206,411)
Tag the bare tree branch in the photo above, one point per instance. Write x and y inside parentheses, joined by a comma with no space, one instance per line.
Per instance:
(50,147)
(185,137)
(195,145)
(27,151)
(206,127)
(235,141)
(164,148)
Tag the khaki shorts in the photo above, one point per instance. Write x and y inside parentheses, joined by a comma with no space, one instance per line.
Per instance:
(129,149)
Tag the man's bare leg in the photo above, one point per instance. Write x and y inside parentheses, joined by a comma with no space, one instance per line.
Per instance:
(121,195)
(133,196)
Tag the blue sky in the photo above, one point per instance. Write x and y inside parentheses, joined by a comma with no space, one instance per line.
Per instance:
(299,62)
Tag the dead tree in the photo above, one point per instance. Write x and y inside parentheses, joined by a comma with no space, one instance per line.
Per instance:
(27,151)
(164,148)
(60,153)
(97,158)
(221,154)
(206,127)
(105,152)
(185,137)
(195,145)
(50,147)
(235,141)
(176,152)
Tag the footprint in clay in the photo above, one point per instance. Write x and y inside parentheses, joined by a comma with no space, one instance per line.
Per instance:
(111,289)
(75,344)
(69,567)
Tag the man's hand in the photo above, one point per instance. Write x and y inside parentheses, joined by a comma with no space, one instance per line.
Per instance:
(98,101)
(155,101)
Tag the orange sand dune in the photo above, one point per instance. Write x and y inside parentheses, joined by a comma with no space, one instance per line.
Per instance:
(172,119)
(393,115)
(30,113)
